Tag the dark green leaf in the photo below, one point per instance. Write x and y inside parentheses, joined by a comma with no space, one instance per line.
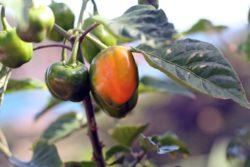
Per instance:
(52,102)
(26,84)
(80,164)
(199,66)
(116,150)
(44,155)
(142,22)
(152,84)
(64,126)
(125,135)
(168,143)
(204,25)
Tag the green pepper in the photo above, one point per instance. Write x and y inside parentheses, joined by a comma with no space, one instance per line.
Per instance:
(114,80)
(154,3)
(68,82)
(14,52)
(40,22)
(89,48)
(64,17)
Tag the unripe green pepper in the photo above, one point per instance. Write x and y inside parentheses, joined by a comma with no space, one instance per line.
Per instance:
(64,17)
(14,52)
(40,22)
(68,82)
(114,80)
(154,3)
(89,48)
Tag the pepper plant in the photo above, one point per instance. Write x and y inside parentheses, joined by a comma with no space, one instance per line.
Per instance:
(112,83)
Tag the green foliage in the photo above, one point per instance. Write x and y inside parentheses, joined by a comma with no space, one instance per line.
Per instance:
(125,135)
(142,22)
(204,25)
(168,143)
(52,102)
(153,84)
(25,84)
(80,164)
(64,126)
(245,46)
(199,66)
(44,155)
(117,149)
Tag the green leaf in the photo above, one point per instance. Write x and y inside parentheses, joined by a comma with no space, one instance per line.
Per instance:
(142,22)
(117,149)
(52,102)
(80,164)
(245,46)
(26,84)
(64,126)
(4,77)
(149,84)
(204,25)
(125,135)
(199,66)
(44,155)
(168,143)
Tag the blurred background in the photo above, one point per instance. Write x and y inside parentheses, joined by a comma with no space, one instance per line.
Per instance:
(205,124)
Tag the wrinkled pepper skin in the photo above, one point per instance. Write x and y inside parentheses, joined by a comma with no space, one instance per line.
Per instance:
(68,82)
(114,81)
(14,52)
(64,17)
(40,22)
(154,3)
(89,48)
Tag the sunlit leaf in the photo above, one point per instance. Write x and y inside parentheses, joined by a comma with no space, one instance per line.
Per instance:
(125,135)
(25,84)
(152,84)
(142,22)
(64,126)
(199,66)
(204,25)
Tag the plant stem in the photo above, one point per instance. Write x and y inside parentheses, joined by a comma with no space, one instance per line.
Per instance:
(84,4)
(73,58)
(96,41)
(4,21)
(5,83)
(64,53)
(53,45)
(62,32)
(95,9)
(92,132)
(88,30)
(138,158)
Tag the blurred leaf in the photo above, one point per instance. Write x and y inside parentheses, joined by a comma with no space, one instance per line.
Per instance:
(168,143)
(152,84)
(204,25)
(45,155)
(80,164)
(125,135)
(142,22)
(154,3)
(116,150)
(26,84)
(249,16)
(199,66)
(64,126)
(52,102)
(239,146)
(245,46)
(4,77)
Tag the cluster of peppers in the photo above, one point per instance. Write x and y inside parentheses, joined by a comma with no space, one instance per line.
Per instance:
(112,77)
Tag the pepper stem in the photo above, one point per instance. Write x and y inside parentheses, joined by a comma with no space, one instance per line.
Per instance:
(95,9)
(64,53)
(4,21)
(73,58)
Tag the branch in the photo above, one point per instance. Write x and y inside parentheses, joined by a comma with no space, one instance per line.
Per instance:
(62,32)
(92,132)
(53,45)
(84,4)
(88,30)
